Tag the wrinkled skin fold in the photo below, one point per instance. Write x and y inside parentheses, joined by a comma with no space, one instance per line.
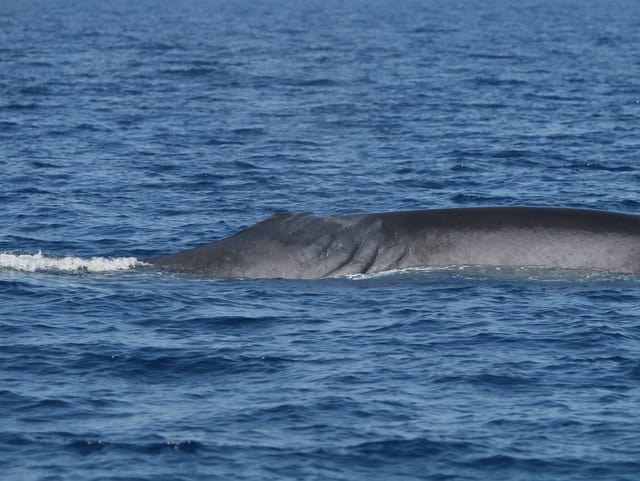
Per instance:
(306,246)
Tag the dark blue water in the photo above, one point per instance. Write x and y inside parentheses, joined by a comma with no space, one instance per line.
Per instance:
(130,129)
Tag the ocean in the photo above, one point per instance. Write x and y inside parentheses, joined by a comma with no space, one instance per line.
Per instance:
(134,129)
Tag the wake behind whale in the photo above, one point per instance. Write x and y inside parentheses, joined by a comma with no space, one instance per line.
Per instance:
(70,264)
(306,246)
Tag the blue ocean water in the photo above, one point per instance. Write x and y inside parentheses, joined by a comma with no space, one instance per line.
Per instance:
(131,129)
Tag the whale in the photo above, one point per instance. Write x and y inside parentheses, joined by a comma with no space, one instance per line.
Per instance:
(309,246)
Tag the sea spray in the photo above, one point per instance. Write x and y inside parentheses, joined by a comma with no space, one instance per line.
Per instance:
(40,262)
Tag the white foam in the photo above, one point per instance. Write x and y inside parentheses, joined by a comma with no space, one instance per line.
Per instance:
(532,273)
(38,262)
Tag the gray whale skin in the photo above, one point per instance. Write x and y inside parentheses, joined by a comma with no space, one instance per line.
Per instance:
(306,246)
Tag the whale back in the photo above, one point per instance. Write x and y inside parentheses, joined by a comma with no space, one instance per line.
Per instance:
(307,246)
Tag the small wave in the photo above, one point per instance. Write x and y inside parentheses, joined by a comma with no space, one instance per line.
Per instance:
(39,262)
(521,273)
